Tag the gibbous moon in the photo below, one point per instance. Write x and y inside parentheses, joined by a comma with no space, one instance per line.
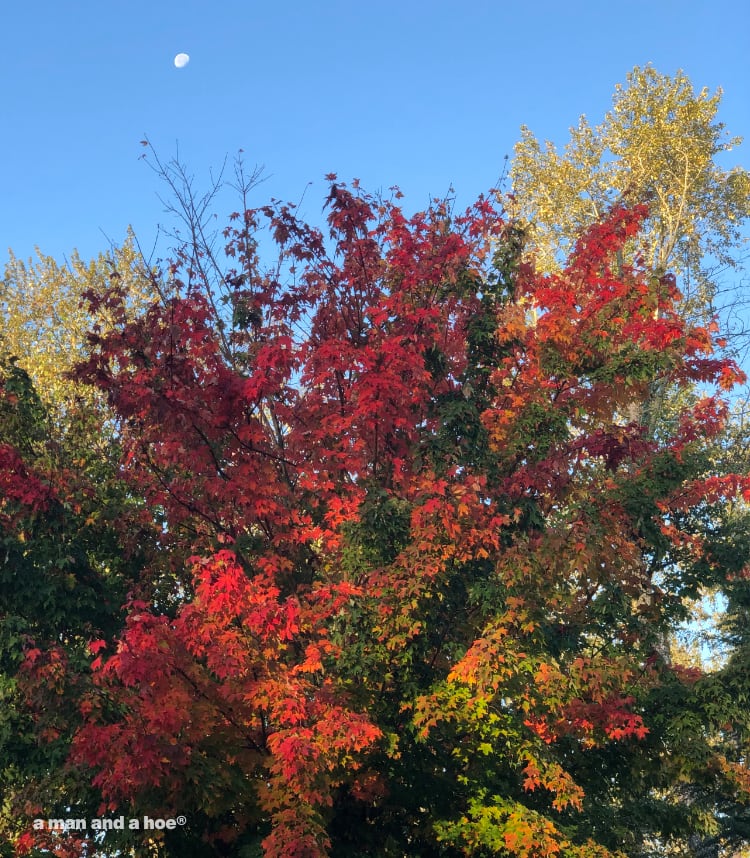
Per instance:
(181,60)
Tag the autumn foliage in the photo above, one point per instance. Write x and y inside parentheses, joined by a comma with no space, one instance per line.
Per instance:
(404,547)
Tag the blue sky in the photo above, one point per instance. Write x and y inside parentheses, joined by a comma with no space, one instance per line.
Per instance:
(423,95)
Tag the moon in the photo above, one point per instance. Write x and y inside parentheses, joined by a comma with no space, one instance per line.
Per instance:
(181,60)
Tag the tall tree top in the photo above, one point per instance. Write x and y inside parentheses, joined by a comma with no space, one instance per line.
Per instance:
(661,143)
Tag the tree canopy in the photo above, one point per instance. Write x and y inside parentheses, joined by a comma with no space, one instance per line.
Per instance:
(385,570)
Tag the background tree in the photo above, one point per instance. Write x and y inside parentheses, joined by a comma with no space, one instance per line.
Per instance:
(661,143)
(44,321)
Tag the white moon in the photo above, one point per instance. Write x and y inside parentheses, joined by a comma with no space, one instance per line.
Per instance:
(181,60)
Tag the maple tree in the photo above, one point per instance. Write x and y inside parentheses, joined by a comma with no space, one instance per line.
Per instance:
(409,564)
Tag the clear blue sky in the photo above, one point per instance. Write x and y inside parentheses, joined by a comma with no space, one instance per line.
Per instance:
(415,93)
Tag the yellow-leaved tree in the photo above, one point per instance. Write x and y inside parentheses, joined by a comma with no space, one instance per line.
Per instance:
(44,319)
(661,143)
